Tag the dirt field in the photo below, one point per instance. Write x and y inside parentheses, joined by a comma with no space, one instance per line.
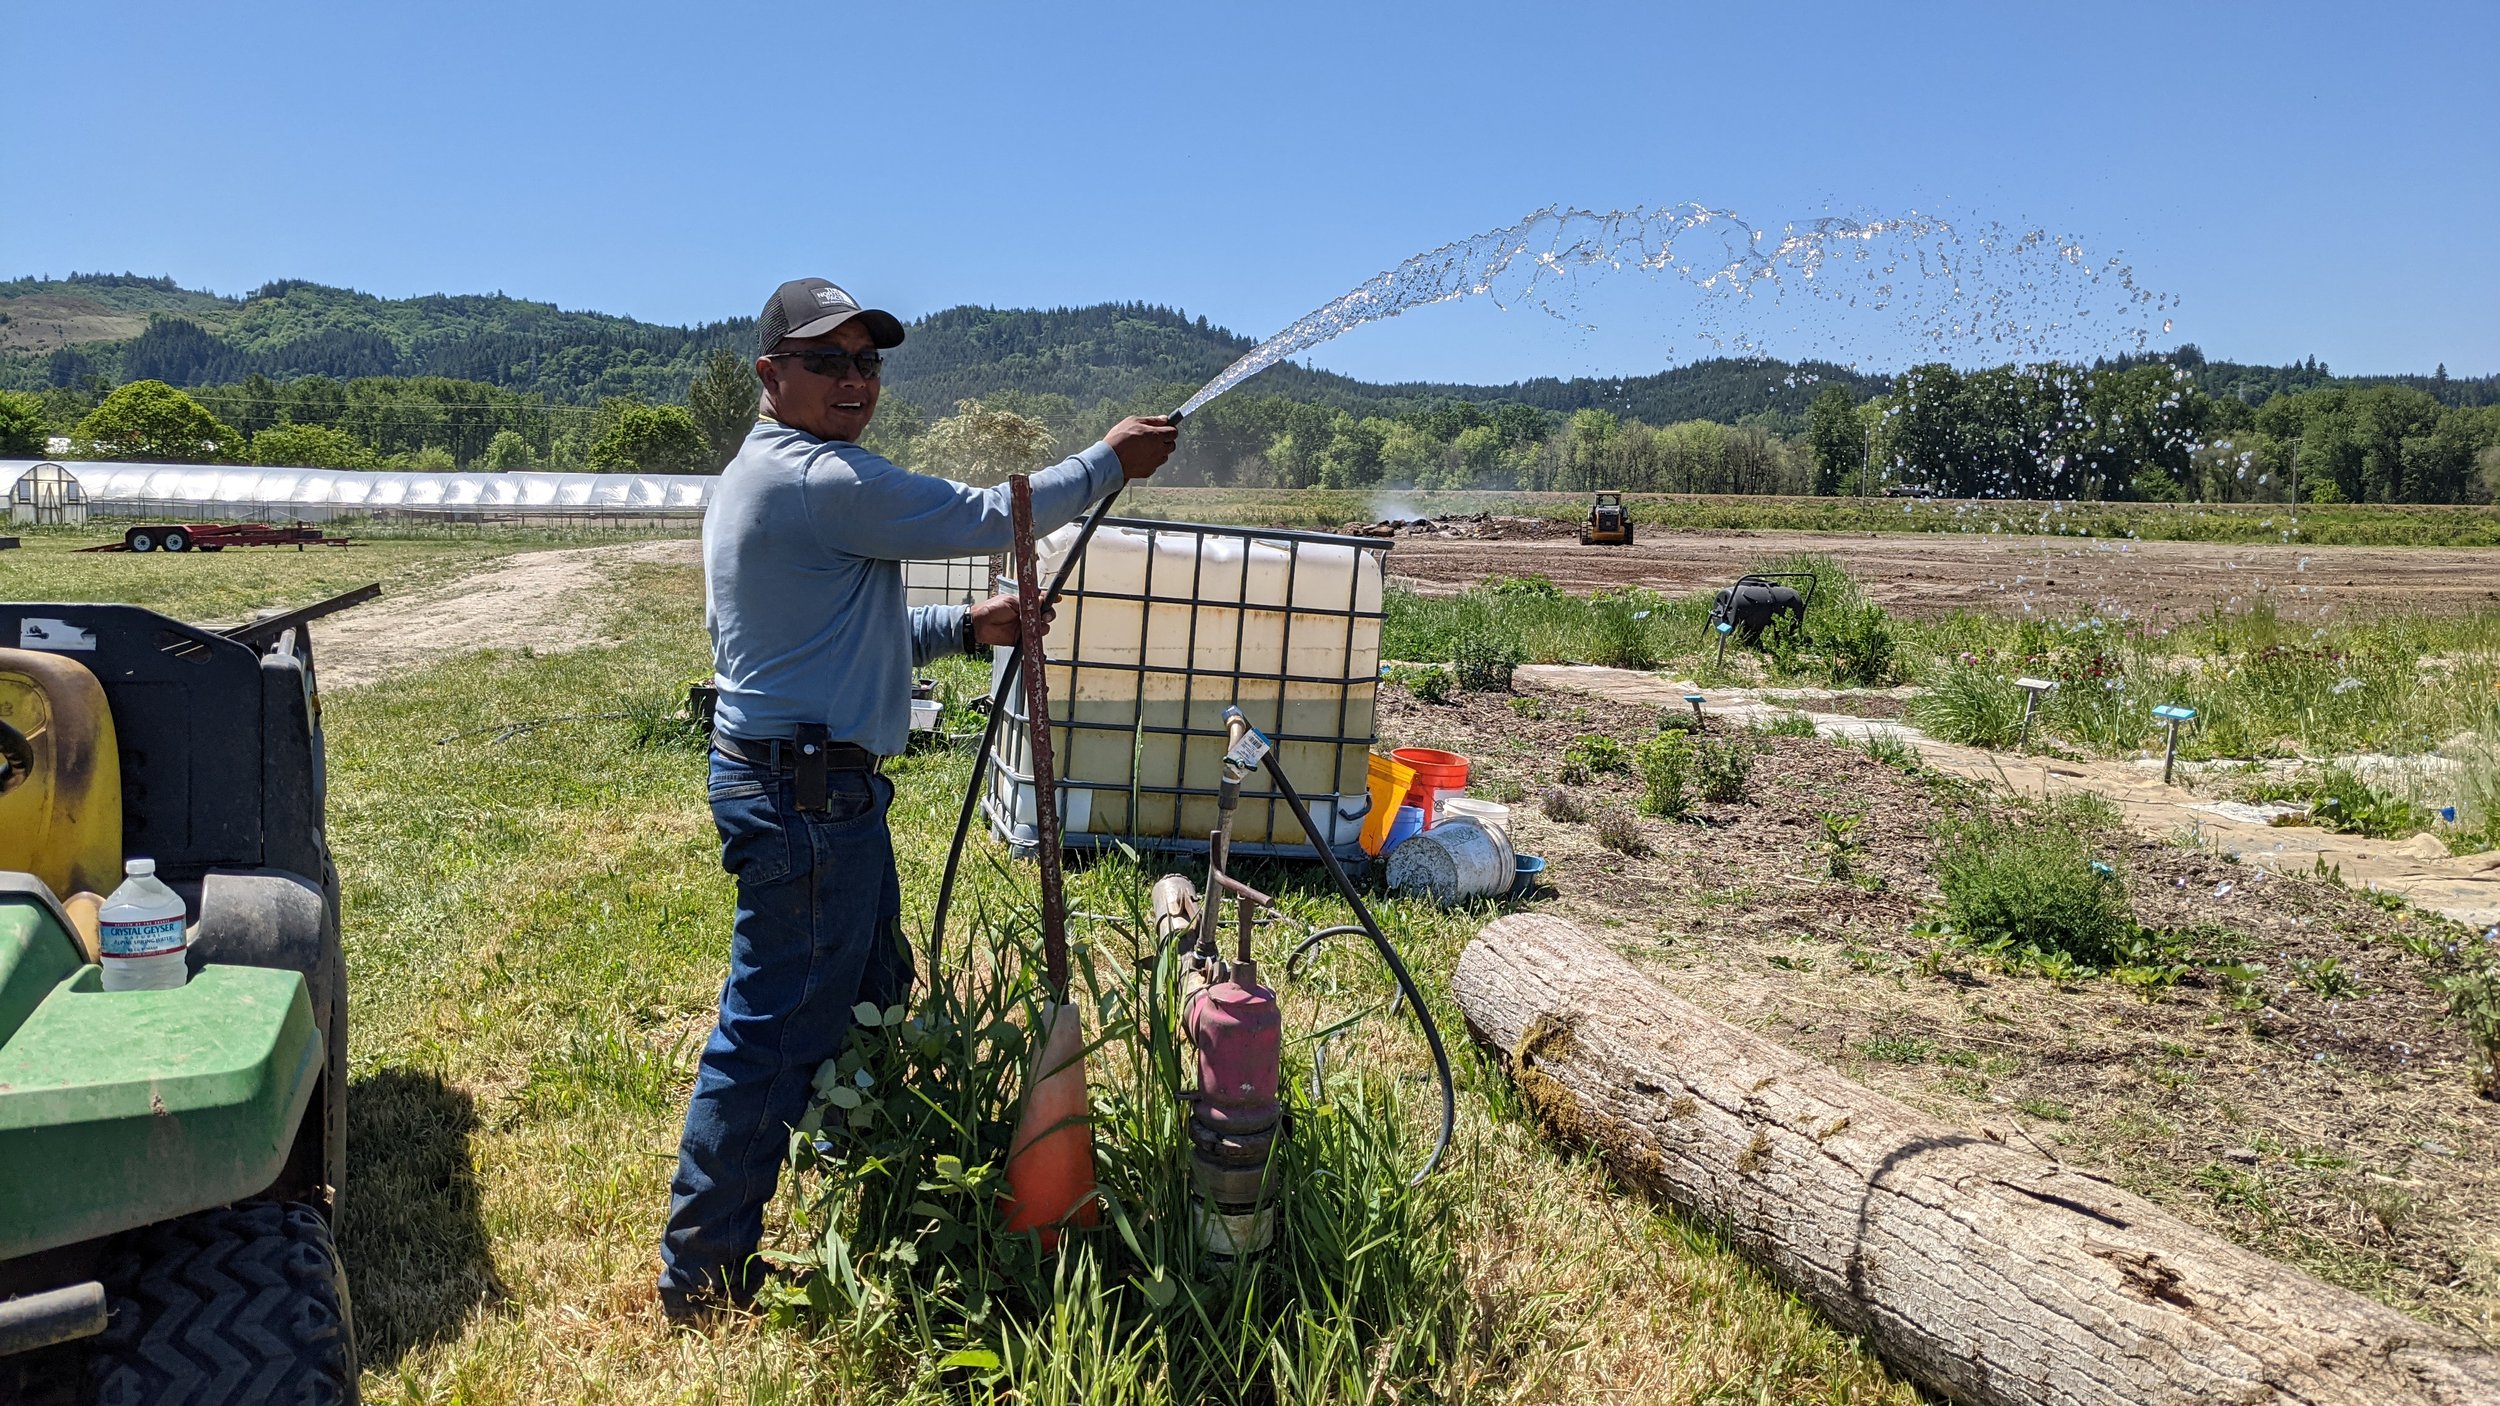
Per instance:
(1931,574)
(2338,1132)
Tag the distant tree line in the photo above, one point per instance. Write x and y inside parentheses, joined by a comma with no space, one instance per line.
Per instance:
(2143,430)
(300,373)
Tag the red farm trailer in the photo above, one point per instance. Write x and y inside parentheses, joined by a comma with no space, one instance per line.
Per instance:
(216,537)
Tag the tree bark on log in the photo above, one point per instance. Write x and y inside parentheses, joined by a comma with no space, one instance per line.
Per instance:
(1983,1272)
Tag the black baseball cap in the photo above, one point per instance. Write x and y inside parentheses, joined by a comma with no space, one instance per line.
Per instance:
(811,307)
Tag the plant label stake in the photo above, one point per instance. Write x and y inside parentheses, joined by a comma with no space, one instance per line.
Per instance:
(1050,1162)
(2174,715)
(2032,689)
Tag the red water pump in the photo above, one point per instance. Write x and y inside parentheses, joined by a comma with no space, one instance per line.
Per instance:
(1236,1028)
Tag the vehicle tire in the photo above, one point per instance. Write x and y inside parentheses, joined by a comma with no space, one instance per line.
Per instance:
(239,1305)
(1627,532)
(1584,536)
(140,540)
(177,540)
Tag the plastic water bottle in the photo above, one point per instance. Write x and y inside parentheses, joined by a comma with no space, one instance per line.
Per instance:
(145,940)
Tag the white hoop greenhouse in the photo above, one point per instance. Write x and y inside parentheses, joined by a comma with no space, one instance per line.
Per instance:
(317,495)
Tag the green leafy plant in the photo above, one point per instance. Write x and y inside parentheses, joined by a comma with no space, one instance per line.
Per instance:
(1529,707)
(1665,761)
(2328,976)
(2027,888)
(1529,587)
(1840,842)
(1896,1050)
(2341,801)
(1858,647)
(1723,766)
(2474,1003)
(1597,754)
(1430,683)
(1484,666)
(1784,643)
(2150,960)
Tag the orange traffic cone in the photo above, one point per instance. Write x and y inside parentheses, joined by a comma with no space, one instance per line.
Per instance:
(1050,1163)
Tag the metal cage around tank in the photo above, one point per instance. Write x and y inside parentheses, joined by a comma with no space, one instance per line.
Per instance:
(1164,626)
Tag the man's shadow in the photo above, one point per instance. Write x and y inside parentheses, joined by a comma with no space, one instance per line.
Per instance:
(412,1231)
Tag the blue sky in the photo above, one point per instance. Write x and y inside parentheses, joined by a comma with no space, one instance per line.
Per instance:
(2307,179)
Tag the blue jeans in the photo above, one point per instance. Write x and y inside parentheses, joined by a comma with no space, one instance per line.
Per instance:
(818,930)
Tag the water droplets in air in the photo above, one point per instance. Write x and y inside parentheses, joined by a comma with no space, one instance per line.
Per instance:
(1984,289)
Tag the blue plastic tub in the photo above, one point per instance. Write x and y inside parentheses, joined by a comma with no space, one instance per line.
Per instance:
(1531,873)
(1409,823)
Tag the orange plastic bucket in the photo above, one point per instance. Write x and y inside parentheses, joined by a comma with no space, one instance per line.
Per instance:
(1435,772)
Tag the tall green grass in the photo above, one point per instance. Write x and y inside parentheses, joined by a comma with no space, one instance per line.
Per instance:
(911,1262)
(2263,685)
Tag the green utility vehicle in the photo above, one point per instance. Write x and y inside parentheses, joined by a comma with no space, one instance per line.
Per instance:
(171,1161)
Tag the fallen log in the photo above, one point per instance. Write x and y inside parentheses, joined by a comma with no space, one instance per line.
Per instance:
(1986,1273)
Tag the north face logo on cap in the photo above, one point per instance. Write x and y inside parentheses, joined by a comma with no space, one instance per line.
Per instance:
(830,297)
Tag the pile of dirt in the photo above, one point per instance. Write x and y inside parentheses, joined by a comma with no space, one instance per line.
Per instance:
(1478,527)
(2319,1109)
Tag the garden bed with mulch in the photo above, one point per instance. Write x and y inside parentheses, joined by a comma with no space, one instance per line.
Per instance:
(2299,1087)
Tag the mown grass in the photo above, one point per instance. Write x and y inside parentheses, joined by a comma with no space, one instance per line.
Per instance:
(225,587)
(537,929)
(2376,525)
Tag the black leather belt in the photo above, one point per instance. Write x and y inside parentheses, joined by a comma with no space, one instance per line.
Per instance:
(808,757)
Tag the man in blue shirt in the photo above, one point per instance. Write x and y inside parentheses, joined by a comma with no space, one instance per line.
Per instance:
(813,656)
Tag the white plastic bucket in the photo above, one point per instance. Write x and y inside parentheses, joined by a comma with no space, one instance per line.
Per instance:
(1492,815)
(1454,861)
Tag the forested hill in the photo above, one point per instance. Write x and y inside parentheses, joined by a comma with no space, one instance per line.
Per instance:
(124,328)
(116,328)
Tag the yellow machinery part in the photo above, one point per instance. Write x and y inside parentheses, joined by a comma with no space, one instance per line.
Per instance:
(63,821)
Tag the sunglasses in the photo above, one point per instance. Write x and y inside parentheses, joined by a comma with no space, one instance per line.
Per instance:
(834,363)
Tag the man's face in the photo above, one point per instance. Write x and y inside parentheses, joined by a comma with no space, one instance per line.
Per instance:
(838,406)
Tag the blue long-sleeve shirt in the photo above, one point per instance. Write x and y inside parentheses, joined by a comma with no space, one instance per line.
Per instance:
(803,546)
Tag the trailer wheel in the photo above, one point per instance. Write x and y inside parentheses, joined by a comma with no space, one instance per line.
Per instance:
(177,540)
(140,539)
(244,1304)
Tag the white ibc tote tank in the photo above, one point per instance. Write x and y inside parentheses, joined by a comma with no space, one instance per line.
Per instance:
(951,581)
(1165,625)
